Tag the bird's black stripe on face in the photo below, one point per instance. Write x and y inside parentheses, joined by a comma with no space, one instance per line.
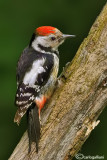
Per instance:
(47,49)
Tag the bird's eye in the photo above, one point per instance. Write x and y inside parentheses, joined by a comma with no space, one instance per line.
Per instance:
(53,38)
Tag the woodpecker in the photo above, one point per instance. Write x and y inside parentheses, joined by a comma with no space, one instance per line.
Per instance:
(36,74)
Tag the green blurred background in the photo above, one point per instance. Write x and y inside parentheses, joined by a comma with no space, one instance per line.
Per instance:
(18,19)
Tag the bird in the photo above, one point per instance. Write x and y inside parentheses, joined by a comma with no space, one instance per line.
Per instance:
(36,75)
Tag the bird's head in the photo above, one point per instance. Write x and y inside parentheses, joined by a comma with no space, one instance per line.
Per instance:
(48,37)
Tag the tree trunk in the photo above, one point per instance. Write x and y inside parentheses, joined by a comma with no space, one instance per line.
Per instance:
(79,98)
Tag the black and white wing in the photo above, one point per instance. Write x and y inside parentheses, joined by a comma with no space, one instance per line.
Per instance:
(33,72)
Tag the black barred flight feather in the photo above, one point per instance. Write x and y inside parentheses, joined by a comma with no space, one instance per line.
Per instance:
(24,98)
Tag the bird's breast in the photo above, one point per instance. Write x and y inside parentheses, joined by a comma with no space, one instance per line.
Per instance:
(48,88)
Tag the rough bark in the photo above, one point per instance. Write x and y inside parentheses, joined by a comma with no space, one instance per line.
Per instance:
(79,98)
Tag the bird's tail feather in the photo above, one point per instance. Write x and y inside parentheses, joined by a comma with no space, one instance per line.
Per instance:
(33,126)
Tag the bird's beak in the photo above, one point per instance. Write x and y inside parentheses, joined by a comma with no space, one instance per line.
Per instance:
(65,36)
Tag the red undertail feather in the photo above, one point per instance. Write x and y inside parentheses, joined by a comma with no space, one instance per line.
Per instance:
(40,103)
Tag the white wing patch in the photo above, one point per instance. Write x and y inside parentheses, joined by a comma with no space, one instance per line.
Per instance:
(37,68)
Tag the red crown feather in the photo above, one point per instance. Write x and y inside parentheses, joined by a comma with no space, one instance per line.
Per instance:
(45,30)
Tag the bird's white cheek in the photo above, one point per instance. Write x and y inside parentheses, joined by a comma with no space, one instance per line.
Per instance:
(44,41)
(56,44)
